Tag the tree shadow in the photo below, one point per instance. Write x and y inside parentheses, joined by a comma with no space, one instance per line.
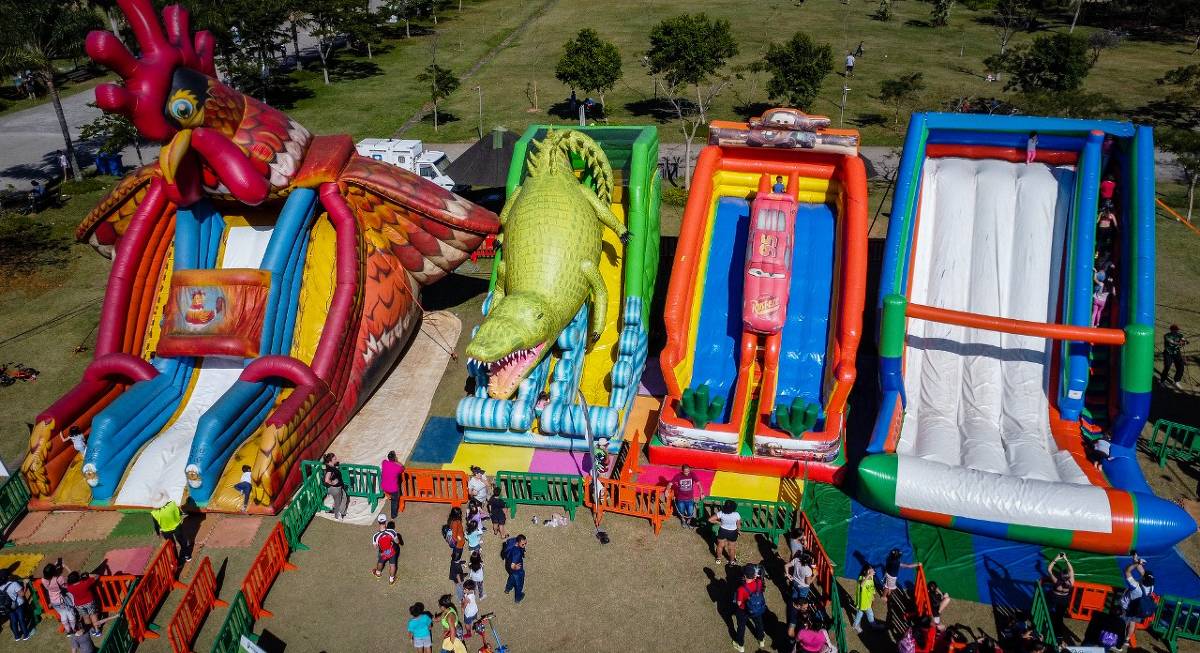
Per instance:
(43,170)
(26,244)
(657,108)
(285,91)
(869,120)
(341,70)
(443,118)
(752,109)
(1168,112)
(916,22)
(563,110)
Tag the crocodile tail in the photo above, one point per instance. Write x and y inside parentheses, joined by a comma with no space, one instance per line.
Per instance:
(555,150)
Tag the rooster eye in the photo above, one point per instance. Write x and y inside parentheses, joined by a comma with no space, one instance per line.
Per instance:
(182,108)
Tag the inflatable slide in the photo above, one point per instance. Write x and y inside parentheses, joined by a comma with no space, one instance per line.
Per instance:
(764,309)
(1018,318)
(264,282)
(532,391)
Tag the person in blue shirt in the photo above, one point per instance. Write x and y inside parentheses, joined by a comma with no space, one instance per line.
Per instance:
(514,564)
(778,187)
(419,628)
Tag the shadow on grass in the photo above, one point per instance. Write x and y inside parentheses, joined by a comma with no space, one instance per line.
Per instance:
(443,118)
(563,111)
(657,108)
(341,70)
(916,22)
(869,120)
(285,91)
(26,244)
(752,109)
(1168,112)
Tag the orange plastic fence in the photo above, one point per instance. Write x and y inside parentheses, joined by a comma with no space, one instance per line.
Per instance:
(921,594)
(109,591)
(270,561)
(822,565)
(199,600)
(1089,598)
(433,486)
(631,450)
(634,499)
(146,598)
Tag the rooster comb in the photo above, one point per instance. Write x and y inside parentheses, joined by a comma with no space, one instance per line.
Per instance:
(164,47)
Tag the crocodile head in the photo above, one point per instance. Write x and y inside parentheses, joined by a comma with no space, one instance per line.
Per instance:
(514,337)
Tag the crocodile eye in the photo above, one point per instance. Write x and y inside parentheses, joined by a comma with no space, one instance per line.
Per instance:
(540,316)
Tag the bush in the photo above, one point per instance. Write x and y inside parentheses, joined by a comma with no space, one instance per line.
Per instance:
(674,196)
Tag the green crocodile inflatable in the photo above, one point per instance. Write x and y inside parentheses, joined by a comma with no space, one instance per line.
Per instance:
(552,240)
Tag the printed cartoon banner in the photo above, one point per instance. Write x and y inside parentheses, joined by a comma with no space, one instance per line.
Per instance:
(215,313)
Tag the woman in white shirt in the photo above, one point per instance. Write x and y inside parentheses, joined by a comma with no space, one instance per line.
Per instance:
(728,520)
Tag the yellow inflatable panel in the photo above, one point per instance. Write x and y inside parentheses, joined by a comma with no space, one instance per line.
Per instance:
(154,328)
(316,291)
(598,363)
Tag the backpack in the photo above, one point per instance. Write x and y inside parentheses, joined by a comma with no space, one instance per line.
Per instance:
(448,535)
(756,603)
(6,602)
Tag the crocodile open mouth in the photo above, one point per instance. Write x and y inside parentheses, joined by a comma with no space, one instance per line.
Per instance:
(505,374)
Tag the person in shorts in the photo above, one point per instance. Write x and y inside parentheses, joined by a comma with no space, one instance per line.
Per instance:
(419,628)
(687,488)
(1138,599)
(80,588)
(387,545)
(728,521)
(891,575)
(498,517)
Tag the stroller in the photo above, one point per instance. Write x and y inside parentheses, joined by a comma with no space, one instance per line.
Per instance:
(484,623)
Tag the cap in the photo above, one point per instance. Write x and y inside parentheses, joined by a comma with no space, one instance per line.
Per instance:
(381,519)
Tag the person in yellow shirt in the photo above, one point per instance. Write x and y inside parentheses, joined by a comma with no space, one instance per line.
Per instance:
(167,520)
(864,597)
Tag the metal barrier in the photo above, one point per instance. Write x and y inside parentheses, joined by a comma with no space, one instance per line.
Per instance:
(361,481)
(771,518)
(634,499)
(563,490)
(271,560)
(193,609)
(150,591)
(14,500)
(238,622)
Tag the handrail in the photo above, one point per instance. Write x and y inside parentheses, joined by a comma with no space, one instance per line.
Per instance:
(1096,335)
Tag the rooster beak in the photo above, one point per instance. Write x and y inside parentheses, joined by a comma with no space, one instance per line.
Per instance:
(171,154)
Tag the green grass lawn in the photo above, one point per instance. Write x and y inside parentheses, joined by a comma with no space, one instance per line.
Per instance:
(950,59)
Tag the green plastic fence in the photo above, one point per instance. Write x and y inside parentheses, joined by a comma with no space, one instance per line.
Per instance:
(1175,441)
(1176,619)
(237,622)
(771,518)
(118,638)
(301,510)
(839,618)
(14,499)
(361,481)
(563,490)
(1039,613)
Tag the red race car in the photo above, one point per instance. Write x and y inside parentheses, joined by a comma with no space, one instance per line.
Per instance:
(768,262)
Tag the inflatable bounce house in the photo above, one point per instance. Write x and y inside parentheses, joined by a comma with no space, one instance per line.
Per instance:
(263,283)
(563,343)
(764,309)
(1017,299)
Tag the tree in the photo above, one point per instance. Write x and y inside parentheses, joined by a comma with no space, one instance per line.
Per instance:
(249,34)
(686,52)
(797,68)
(940,16)
(1100,40)
(37,33)
(1068,104)
(407,11)
(901,90)
(1185,145)
(1009,17)
(115,133)
(109,7)
(1055,62)
(589,63)
(364,27)
(441,82)
(330,20)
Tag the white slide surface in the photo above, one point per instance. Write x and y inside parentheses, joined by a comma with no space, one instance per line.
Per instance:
(157,474)
(976,437)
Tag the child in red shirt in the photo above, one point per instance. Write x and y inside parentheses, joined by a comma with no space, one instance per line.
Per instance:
(80,587)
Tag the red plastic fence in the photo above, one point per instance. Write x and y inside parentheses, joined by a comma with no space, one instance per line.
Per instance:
(199,600)
(109,591)
(270,561)
(146,598)
(923,608)
(433,486)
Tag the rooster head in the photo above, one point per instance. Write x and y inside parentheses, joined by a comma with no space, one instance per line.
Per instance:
(216,141)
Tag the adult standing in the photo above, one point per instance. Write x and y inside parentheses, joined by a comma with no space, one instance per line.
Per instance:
(799,574)
(849,65)
(514,564)
(451,625)
(687,490)
(891,575)
(1062,582)
(811,637)
(478,486)
(864,598)
(390,471)
(727,520)
(454,533)
(80,586)
(64,165)
(1173,344)
(55,581)
(167,520)
(1138,600)
(15,600)
(335,488)
(751,606)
